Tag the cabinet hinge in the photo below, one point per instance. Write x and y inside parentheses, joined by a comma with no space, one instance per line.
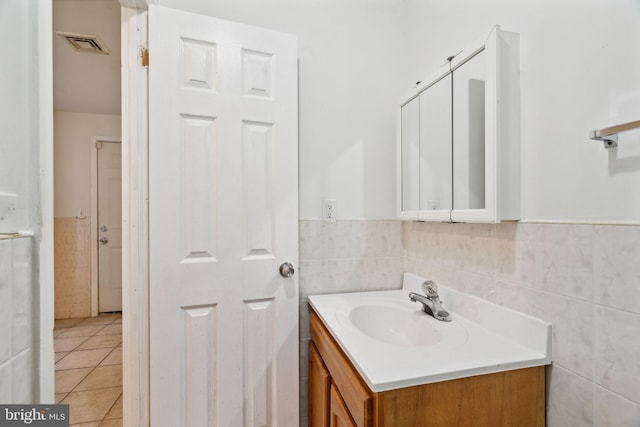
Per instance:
(144,57)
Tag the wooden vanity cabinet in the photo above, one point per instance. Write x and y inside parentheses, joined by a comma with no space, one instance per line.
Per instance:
(339,415)
(339,397)
(319,389)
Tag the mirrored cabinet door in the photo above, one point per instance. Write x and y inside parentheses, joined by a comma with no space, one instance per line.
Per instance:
(469,134)
(410,156)
(435,146)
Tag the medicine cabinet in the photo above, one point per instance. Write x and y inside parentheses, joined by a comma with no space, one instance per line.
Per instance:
(459,137)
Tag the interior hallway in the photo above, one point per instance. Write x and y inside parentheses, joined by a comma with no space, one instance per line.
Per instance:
(89,369)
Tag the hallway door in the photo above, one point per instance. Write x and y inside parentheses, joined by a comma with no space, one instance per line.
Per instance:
(223,218)
(109,227)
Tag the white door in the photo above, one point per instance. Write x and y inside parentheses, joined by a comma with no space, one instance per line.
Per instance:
(223,217)
(109,227)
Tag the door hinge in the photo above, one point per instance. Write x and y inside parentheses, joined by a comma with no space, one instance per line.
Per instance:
(99,145)
(144,57)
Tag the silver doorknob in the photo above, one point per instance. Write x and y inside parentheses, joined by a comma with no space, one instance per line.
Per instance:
(287,270)
(103,240)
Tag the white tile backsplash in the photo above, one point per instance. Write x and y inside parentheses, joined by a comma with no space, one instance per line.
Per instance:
(617,267)
(516,263)
(23,377)
(570,399)
(22,295)
(585,279)
(480,249)
(618,352)
(615,411)
(17,362)
(6,382)
(573,324)
(564,259)
(6,301)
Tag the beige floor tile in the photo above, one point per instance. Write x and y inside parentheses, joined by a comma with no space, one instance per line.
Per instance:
(102,377)
(66,323)
(118,321)
(100,320)
(60,396)
(111,329)
(67,344)
(82,331)
(91,424)
(116,410)
(58,332)
(101,341)
(67,380)
(114,358)
(83,358)
(93,405)
(112,423)
(61,354)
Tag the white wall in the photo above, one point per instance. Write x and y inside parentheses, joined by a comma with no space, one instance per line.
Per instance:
(349,62)
(26,269)
(18,139)
(579,71)
(72,158)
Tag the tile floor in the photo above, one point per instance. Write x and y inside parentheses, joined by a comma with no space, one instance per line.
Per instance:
(89,369)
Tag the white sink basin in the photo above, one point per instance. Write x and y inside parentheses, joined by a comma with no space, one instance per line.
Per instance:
(395,324)
(393,343)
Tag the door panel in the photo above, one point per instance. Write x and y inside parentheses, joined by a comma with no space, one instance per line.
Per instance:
(339,414)
(223,217)
(319,389)
(109,227)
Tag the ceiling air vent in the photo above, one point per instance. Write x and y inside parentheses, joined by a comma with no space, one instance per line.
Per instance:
(84,42)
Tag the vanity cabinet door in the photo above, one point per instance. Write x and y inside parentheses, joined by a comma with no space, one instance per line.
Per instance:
(339,413)
(355,396)
(319,389)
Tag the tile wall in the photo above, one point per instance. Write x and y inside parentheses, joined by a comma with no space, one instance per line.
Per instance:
(17,315)
(344,256)
(585,279)
(72,257)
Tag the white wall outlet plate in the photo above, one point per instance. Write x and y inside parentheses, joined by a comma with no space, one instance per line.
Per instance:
(329,210)
(8,216)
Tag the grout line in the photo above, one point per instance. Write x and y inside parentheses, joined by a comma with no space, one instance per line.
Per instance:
(110,408)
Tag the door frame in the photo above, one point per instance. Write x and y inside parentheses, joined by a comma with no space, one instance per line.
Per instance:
(45,364)
(94,218)
(135,215)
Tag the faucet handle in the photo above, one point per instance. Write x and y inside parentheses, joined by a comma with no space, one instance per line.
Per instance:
(430,289)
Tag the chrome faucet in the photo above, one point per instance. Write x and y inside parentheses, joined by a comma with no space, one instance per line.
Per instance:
(431,303)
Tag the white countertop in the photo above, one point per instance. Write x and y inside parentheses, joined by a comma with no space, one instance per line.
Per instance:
(482,338)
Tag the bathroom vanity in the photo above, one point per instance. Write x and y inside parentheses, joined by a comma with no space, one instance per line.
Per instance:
(403,368)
